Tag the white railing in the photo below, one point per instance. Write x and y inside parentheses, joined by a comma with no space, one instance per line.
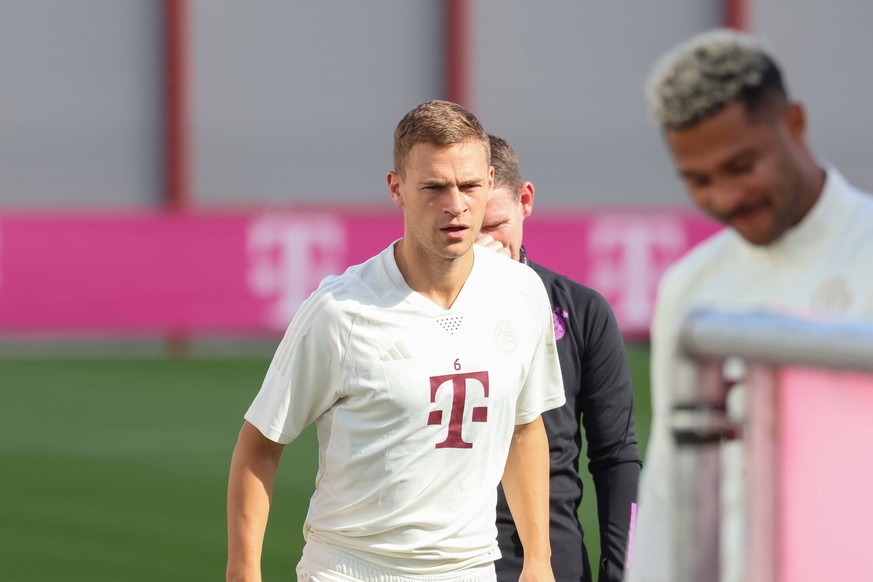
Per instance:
(803,445)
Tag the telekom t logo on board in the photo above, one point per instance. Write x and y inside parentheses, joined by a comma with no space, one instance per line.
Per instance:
(628,255)
(458,382)
(288,256)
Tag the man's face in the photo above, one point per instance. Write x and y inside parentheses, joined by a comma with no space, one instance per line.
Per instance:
(443,195)
(746,175)
(504,215)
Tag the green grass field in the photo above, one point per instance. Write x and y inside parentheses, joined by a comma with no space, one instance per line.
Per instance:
(115,469)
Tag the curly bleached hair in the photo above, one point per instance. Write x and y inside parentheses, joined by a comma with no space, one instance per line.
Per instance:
(705,74)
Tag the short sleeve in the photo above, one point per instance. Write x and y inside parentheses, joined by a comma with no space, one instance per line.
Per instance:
(544,387)
(304,379)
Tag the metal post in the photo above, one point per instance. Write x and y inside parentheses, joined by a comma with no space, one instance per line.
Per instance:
(699,424)
(177,142)
(736,14)
(457,51)
(177,138)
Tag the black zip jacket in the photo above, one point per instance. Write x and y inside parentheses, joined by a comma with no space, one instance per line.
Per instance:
(598,388)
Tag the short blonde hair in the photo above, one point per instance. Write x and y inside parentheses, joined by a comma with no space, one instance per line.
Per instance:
(440,123)
(703,75)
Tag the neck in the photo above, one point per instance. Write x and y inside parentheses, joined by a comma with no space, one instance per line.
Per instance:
(438,279)
(813,180)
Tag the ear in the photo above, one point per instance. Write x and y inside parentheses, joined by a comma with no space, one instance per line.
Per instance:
(794,118)
(394,183)
(526,199)
(490,182)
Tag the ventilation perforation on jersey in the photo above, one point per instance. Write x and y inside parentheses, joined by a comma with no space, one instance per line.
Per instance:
(450,323)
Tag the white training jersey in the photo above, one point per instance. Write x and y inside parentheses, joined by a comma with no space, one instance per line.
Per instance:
(822,266)
(415,406)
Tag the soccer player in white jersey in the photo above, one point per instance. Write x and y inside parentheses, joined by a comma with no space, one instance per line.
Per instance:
(799,239)
(426,370)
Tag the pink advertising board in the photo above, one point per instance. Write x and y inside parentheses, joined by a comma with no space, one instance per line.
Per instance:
(824,475)
(248,272)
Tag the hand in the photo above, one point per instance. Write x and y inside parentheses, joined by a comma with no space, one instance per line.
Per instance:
(488,241)
(536,572)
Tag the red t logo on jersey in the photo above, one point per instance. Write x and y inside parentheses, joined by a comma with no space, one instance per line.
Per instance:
(459,399)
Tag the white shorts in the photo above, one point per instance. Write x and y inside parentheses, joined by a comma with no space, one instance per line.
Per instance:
(325,563)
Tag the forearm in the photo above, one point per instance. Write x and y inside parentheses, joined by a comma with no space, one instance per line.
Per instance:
(607,405)
(250,488)
(526,485)
(616,493)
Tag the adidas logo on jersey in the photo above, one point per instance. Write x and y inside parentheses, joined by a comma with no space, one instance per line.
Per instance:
(396,352)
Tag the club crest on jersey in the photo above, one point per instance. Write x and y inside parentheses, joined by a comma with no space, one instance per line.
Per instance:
(558,317)
(505,337)
(832,296)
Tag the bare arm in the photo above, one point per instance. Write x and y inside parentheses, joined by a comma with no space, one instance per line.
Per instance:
(526,485)
(249,489)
